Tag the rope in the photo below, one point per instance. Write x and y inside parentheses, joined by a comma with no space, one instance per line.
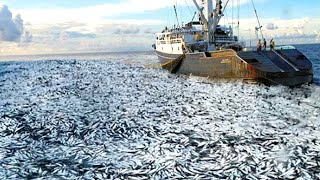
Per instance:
(177,66)
(153,66)
(188,5)
(175,10)
(167,63)
(156,66)
(238,20)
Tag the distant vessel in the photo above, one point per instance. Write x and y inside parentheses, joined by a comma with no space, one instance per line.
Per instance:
(205,48)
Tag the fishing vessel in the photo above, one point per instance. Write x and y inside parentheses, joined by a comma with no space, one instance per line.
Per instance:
(206,48)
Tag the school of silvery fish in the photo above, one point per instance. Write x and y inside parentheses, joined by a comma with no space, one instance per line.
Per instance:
(77,119)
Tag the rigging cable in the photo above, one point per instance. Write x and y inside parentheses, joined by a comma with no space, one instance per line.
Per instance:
(195,13)
(188,5)
(224,8)
(260,27)
(191,11)
(232,16)
(238,19)
(175,10)
(226,19)
(248,15)
(225,5)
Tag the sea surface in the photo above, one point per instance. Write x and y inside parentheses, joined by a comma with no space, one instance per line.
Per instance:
(106,116)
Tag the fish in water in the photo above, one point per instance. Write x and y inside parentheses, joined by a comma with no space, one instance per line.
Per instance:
(105,119)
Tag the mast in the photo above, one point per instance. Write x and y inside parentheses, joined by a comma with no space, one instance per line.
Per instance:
(210,17)
(203,17)
(255,11)
(217,14)
(209,13)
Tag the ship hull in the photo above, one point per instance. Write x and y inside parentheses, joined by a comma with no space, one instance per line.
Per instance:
(277,67)
(168,61)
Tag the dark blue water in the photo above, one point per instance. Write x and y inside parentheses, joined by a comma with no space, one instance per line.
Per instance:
(105,116)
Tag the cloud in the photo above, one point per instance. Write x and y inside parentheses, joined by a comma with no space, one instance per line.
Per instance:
(127,30)
(297,23)
(298,36)
(96,28)
(149,31)
(95,13)
(271,26)
(27,37)
(131,29)
(284,31)
(74,34)
(12,29)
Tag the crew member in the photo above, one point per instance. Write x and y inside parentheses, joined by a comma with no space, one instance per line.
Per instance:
(272,44)
(264,44)
(259,45)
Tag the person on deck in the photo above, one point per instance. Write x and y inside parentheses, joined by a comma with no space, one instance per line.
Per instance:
(264,44)
(259,45)
(272,44)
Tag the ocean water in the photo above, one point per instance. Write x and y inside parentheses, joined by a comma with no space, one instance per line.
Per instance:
(105,116)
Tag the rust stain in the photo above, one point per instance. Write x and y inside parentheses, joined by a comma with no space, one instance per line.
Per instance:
(252,71)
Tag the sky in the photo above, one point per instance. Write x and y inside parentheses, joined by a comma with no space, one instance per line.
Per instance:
(75,26)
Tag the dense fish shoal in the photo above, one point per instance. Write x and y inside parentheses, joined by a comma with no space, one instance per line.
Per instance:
(111,118)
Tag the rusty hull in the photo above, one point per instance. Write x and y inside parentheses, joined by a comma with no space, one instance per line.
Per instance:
(281,67)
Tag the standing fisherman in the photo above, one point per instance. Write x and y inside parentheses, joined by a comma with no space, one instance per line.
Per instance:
(264,44)
(259,45)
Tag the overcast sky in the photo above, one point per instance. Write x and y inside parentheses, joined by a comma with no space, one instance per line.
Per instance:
(60,26)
